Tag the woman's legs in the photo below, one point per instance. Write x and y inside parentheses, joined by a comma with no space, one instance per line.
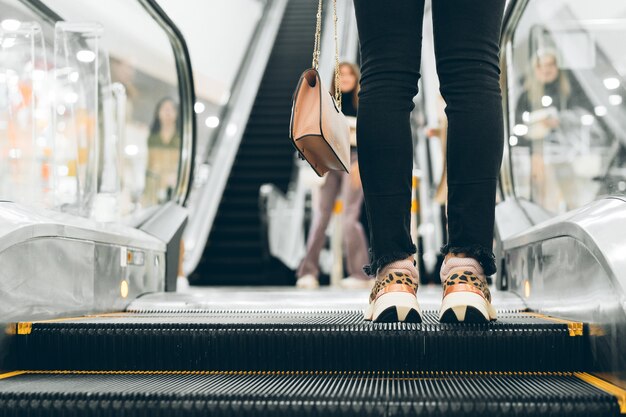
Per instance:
(321,217)
(390,34)
(467,36)
(354,239)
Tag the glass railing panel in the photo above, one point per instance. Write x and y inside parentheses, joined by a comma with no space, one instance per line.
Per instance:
(25,150)
(78,62)
(567,116)
(144,83)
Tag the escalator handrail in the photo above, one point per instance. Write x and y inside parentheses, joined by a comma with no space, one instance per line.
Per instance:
(187,98)
(511,19)
(208,195)
(43,11)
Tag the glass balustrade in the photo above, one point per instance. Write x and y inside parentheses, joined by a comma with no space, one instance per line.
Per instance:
(90,108)
(25,148)
(567,115)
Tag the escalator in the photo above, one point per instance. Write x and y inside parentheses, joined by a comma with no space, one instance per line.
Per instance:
(264,156)
(91,332)
(190,355)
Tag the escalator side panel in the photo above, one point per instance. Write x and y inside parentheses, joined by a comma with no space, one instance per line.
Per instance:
(574,267)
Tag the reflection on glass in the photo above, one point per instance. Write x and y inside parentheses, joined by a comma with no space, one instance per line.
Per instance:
(77,130)
(25,149)
(568,131)
(143,69)
(76,119)
(107,204)
(163,152)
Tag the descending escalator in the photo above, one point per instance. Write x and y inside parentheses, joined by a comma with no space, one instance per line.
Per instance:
(264,157)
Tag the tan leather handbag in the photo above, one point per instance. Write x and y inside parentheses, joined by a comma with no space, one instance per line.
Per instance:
(318,129)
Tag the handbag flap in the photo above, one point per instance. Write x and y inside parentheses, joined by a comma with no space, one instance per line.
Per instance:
(306,111)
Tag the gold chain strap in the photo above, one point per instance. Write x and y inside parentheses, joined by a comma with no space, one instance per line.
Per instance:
(317,46)
(318,32)
(337,74)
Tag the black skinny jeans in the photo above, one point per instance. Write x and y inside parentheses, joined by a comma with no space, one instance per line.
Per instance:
(467,35)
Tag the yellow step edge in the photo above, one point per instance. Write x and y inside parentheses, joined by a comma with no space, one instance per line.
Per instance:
(25,327)
(575,328)
(378,374)
(10,374)
(617,392)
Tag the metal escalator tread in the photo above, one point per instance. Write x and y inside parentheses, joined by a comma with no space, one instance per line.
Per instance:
(266,140)
(300,340)
(303,394)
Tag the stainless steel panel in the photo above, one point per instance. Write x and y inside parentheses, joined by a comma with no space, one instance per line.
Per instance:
(600,226)
(116,283)
(18,223)
(56,264)
(43,276)
(574,266)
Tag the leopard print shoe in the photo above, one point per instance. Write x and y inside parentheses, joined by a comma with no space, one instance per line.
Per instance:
(394,296)
(466,296)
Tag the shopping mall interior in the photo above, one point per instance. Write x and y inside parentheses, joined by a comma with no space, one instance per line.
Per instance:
(168,249)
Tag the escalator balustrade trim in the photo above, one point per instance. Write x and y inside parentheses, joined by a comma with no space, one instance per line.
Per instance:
(25,327)
(575,328)
(606,386)
(12,373)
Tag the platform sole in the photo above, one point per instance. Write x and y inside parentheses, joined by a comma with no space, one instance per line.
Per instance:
(307,282)
(466,307)
(394,306)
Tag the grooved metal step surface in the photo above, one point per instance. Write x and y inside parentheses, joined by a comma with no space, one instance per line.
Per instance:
(299,340)
(303,394)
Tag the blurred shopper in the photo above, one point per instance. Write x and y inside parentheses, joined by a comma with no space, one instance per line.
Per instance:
(467,34)
(163,152)
(549,116)
(348,186)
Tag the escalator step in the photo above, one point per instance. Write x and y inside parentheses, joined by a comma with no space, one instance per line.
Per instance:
(299,340)
(262,394)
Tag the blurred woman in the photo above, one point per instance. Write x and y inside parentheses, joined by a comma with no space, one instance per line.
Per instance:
(349,187)
(547,90)
(163,151)
(548,116)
